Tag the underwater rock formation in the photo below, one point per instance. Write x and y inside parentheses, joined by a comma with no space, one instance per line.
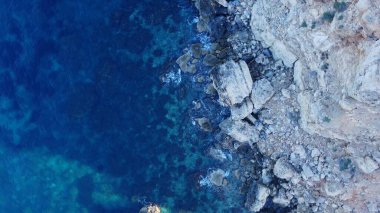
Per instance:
(150,209)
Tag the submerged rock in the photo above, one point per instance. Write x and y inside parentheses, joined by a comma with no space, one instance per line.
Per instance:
(240,131)
(261,93)
(150,209)
(218,154)
(196,50)
(184,63)
(211,60)
(204,124)
(233,82)
(217,176)
(256,197)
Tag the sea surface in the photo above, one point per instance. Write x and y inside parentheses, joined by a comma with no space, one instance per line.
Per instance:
(86,124)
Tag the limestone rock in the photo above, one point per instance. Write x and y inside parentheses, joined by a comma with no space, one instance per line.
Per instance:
(204,124)
(240,131)
(281,198)
(336,65)
(261,93)
(240,111)
(282,169)
(150,209)
(224,3)
(233,82)
(366,164)
(218,154)
(216,177)
(184,63)
(280,51)
(256,197)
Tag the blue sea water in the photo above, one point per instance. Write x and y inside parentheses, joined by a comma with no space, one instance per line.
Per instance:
(86,125)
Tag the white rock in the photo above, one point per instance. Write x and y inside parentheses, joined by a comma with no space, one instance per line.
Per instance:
(367,164)
(240,130)
(282,201)
(261,93)
(233,82)
(315,153)
(257,197)
(218,154)
(240,111)
(282,169)
(280,51)
(216,177)
(224,3)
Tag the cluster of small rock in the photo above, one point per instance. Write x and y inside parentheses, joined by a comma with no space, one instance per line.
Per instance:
(264,147)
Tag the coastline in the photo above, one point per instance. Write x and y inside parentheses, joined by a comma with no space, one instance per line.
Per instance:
(269,155)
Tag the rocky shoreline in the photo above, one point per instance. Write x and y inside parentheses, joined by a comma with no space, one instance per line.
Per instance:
(286,145)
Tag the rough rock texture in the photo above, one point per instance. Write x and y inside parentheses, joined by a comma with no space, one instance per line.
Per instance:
(337,61)
(262,91)
(241,111)
(240,130)
(150,209)
(366,164)
(256,198)
(282,169)
(216,177)
(233,82)
(313,134)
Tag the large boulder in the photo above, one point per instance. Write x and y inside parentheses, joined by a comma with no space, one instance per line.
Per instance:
(261,93)
(256,197)
(240,130)
(283,169)
(241,111)
(233,82)
(216,177)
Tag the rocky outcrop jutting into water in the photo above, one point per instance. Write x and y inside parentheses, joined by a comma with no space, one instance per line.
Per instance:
(302,81)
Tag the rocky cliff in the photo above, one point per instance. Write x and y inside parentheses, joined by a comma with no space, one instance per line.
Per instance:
(334,49)
(302,82)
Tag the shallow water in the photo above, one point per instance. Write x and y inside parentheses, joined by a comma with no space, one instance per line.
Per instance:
(85,123)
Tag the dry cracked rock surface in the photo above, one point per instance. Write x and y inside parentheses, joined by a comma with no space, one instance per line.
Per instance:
(302,82)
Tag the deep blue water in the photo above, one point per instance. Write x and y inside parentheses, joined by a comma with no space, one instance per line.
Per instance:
(85,123)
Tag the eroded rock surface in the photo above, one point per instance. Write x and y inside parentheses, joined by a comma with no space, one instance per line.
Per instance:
(240,130)
(233,82)
(262,91)
(257,197)
(310,107)
(336,56)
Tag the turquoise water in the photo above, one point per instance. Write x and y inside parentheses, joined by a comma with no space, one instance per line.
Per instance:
(86,125)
